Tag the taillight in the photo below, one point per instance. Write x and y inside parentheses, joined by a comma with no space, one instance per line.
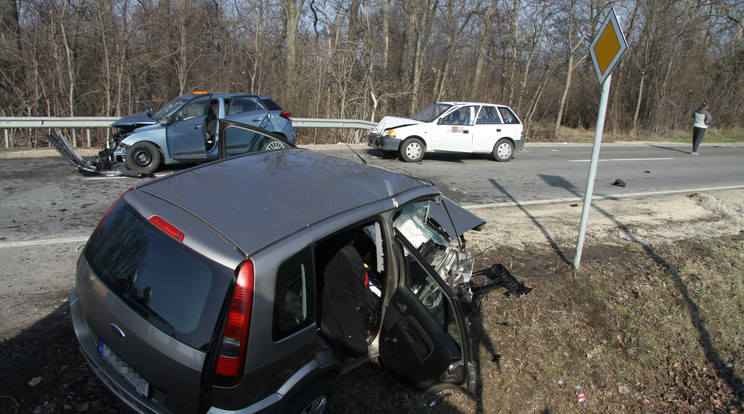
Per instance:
(109,210)
(286,115)
(168,228)
(231,359)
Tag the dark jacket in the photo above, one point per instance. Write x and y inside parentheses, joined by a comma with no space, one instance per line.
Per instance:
(701,117)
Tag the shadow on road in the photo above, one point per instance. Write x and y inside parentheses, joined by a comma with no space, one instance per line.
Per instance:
(670,149)
(44,371)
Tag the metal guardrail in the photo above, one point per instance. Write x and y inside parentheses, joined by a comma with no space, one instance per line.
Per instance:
(7,123)
(56,122)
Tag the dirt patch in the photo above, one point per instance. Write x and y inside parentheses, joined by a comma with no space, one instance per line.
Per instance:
(651,322)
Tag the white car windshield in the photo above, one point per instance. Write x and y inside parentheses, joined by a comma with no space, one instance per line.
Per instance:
(432,112)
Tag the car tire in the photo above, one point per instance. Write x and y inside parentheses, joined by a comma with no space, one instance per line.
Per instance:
(143,157)
(412,150)
(503,150)
(271,145)
(312,400)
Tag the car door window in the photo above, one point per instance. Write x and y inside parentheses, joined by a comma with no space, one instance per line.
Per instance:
(240,139)
(460,116)
(196,108)
(488,115)
(294,301)
(508,115)
(427,290)
(241,105)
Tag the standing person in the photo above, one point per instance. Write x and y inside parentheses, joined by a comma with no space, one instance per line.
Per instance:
(701,118)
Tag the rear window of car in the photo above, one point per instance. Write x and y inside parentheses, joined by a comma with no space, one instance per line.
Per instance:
(508,115)
(271,105)
(241,105)
(174,288)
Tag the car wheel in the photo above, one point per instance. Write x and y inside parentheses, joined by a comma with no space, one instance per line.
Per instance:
(143,157)
(273,145)
(503,150)
(412,150)
(312,400)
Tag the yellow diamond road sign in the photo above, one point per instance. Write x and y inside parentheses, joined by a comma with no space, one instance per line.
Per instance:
(608,46)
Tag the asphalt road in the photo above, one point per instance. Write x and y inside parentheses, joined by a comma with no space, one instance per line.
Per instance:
(551,172)
(48,209)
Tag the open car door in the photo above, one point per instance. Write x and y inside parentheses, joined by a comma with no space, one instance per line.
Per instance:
(185,130)
(425,343)
(236,138)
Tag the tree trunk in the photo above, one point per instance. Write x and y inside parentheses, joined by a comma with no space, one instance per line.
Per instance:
(482,44)
(292,13)
(515,47)
(564,95)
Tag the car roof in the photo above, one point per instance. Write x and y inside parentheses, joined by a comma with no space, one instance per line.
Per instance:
(470,103)
(225,95)
(260,198)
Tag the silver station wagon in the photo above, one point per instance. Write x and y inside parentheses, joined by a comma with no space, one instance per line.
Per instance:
(247,284)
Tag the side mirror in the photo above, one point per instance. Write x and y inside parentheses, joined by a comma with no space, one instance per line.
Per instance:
(164,120)
(440,121)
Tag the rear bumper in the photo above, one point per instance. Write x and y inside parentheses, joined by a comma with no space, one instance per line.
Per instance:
(113,381)
(519,145)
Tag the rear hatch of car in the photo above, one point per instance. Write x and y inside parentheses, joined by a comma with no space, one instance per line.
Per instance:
(151,286)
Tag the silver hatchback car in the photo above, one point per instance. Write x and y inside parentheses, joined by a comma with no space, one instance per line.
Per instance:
(246,284)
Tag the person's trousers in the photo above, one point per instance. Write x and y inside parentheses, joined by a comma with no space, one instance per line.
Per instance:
(697,137)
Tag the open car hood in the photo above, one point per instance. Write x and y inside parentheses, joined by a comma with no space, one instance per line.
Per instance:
(454,219)
(140,118)
(394,122)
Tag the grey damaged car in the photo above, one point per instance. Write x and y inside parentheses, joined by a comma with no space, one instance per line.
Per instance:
(247,284)
(184,130)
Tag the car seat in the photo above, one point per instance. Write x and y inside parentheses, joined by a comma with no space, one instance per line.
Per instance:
(210,127)
(347,301)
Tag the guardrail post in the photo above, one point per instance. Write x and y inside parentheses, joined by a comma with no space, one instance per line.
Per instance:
(87,136)
(7,142)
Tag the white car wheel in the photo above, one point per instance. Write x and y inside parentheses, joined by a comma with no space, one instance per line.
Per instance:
(412,150)
(503,150)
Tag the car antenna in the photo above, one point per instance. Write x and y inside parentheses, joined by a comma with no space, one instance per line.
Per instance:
(356,153)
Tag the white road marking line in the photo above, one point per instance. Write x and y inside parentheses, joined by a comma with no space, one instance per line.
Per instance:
(517,203)
(625,159)
(43,242)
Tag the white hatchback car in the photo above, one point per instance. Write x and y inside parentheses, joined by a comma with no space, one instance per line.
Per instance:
(451,127)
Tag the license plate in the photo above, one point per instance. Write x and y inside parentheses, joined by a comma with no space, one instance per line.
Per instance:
(132,377)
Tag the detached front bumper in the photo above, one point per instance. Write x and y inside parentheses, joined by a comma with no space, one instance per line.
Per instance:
(383,142)
(119,152)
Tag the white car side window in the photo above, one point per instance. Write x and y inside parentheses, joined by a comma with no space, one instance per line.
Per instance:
(488,115)
(460,116)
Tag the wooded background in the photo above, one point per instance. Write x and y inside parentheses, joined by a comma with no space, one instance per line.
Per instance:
(364,59)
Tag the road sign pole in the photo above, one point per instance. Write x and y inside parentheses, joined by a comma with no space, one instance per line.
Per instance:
(592,169)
